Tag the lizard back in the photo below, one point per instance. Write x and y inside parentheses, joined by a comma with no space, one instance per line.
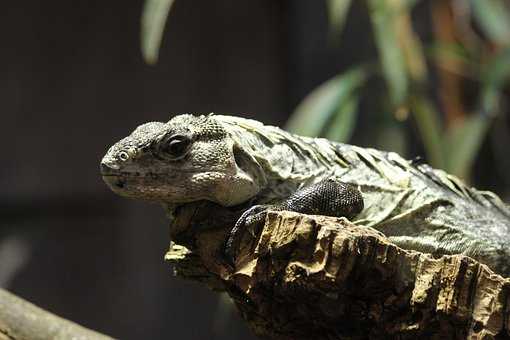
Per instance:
(416,206)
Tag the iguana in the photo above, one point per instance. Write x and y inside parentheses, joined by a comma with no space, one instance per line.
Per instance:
(232,161)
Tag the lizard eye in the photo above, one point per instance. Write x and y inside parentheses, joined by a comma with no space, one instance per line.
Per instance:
(176,146)
(123,156)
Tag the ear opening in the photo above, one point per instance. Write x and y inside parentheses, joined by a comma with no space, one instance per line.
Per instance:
(249,165)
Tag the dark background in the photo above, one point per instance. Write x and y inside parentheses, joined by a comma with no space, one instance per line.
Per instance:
(74,82)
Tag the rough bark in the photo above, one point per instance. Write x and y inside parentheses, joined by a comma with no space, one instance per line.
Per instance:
(316,277)
(21,320)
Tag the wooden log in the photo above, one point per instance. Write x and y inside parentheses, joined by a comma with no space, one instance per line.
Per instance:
(317,277)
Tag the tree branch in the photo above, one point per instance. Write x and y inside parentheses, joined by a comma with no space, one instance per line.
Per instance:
(301,277)
(21,320)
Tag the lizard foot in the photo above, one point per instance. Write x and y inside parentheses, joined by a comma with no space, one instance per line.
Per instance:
(329,197)
(251,217)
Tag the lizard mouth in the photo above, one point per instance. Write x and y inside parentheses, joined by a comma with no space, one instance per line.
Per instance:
(124,182)
(107,170)
(117,179)
(112,174)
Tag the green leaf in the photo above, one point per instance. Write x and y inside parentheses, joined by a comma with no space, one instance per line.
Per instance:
(429,126)
(154,15)
(494,76)
(463,142)
(344,119)
(451,51)
(337,12)
(494,18)
(384,15)
(315,111)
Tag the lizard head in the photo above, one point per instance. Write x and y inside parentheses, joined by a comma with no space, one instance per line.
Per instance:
(187,159)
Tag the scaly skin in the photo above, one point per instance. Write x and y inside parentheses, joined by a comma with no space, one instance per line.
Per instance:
(231,160)
(328,198)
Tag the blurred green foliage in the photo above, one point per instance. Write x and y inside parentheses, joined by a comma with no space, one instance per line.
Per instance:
(337,100)
(154,15)
(471,36)
(471,40)
(470,44)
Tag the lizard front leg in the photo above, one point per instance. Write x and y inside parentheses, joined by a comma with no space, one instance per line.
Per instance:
(329,198)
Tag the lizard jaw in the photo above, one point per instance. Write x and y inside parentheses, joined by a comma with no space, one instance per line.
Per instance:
(131,184)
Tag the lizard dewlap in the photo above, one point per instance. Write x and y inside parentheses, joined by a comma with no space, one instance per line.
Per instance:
(230,160)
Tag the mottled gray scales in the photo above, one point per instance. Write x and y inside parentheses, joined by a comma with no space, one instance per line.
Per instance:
(231,161)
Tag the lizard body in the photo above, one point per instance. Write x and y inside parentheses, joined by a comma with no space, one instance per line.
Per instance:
(231,161)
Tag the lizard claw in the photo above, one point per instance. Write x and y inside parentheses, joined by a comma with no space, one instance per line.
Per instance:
(249,217)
